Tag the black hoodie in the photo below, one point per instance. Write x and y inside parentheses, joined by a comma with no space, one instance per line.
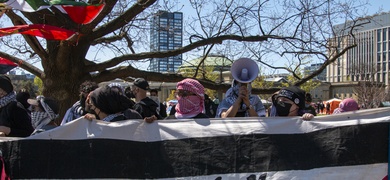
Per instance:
(147,107)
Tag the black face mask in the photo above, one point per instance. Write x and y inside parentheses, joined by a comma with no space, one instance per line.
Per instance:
(130,94)
(283,109)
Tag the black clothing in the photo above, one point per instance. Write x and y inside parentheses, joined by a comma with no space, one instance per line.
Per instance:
(132,114)
(310,109)
(118,118)
(210,109)
(147,108)
(163,110)
(173,110)
(16,117)
(200,115)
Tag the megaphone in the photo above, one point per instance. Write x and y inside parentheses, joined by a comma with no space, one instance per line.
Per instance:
(244,70)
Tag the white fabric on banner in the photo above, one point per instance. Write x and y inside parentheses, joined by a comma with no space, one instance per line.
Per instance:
(138,130)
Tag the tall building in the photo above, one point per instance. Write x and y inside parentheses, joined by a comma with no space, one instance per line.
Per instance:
(166,33)
(370,60)
(313,67)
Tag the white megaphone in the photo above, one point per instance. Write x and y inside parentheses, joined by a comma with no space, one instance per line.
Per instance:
(244,70)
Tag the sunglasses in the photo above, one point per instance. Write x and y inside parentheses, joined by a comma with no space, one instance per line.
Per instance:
(184,93)
(282,102)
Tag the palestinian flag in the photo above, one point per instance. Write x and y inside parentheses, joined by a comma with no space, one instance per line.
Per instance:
(40,30)
(6,65)
(351,145)
(79,12)
(28,5)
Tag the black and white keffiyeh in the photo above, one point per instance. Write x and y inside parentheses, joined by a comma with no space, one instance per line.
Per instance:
(7,99)
(40,119)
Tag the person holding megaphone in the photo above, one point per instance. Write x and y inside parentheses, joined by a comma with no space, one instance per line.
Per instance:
(238,101)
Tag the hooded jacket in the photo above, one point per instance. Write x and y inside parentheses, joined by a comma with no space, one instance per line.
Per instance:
(147,107)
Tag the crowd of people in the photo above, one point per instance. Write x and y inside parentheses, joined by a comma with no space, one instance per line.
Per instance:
(22,116)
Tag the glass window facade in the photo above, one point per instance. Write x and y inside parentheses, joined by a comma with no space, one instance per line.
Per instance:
(166,34)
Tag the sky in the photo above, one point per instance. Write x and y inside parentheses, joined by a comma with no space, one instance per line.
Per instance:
(375,6)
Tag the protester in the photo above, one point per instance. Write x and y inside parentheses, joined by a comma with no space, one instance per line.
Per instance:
(209,106)
(143,104)
(327,108)
(346,105)
(289,101)
(239,102)
(78,109)
(308,107)
(190,97)
(162,109)
(15,120)
(44,113)
(108,104)
(22,97)
(322,107)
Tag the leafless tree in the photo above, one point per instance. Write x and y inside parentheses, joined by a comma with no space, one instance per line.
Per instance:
(369,90)
(117,40)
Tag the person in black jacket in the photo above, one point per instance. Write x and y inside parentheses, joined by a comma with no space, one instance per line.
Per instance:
(145,106)
(15,121)
(162,108)
(109,104)
(190,97)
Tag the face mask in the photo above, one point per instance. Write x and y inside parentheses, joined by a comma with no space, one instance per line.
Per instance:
(154,98)
(130,94)
(188,104)
(283,110)
(37,117)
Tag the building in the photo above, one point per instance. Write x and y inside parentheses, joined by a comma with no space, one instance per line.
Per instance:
(369,61)
(166,33)
(220,66)
(313,67)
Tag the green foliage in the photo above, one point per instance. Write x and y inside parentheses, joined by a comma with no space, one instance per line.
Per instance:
(307,86)
(39,83)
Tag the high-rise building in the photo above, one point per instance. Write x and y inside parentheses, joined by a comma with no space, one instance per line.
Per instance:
(166,33)
(314,67)
(369,60)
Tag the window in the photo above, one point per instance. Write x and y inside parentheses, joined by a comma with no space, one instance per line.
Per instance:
(178,16)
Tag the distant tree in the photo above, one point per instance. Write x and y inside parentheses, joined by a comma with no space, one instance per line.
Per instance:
(370,91)
(38,82)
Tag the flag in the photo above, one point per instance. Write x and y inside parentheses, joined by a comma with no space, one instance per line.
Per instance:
(6,65)
(28,5)
(40,30)
(351,145)
(79,12)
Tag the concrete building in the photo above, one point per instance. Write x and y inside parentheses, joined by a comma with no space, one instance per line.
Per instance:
(369,61)
(166,33)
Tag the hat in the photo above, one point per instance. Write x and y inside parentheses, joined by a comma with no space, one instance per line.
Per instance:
(52,103)
(294,93)
(348,104)
(141,83)
(191,85)
(5,83)
(110,100)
